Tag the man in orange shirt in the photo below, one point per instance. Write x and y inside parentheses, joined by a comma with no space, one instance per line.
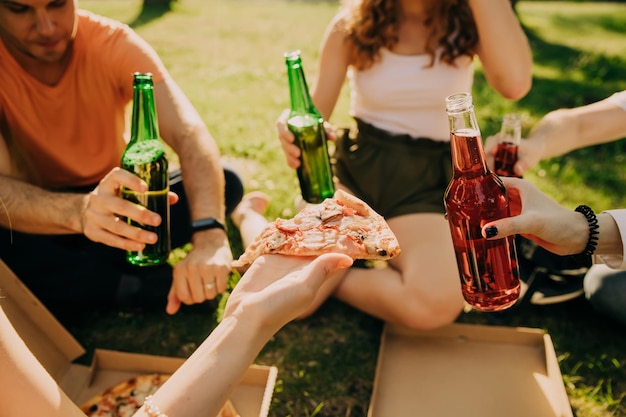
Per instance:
(66,80)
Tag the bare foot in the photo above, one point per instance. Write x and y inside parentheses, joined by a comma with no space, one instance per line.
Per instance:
(256,201)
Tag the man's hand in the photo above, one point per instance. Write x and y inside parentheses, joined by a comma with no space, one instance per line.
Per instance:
(104,210)
(203,273)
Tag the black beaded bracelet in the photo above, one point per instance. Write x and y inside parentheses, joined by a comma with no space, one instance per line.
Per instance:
(592,242)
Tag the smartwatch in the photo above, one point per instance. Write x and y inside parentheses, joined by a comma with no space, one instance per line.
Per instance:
(206,224)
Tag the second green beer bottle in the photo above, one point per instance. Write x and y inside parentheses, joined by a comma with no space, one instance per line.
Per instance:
(145,157)
(307,125)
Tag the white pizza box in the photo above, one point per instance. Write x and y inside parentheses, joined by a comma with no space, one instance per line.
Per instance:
(468,370)
(57,350)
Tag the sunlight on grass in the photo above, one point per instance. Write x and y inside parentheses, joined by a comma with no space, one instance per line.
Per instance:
(227,56)
(586,25)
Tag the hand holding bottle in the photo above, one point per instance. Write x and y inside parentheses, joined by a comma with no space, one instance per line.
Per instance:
(104,208)
(539,218)
(308,128)
(287,139)
(529,152)
(145,157)
(509,139)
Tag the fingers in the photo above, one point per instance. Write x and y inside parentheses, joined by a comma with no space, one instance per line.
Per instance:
(525,161)
(280,287)
(173,303)
(286,138)
(518,191)
(331,131)
(117,178)
(104,211)
(196,283)
(499,229)
(327,263)
(172,198)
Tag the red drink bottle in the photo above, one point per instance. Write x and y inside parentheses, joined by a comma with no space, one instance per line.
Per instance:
(488,268)
(508,142)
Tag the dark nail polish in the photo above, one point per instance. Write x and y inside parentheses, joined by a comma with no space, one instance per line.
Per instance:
(491,231)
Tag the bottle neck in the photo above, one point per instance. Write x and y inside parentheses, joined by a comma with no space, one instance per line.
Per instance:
(468,155)
(144,119)
(301,102)
(511,129)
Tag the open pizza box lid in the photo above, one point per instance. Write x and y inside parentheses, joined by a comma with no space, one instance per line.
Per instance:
(56,349)
(468,370)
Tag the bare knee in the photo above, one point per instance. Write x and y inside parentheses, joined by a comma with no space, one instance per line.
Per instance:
(425,311)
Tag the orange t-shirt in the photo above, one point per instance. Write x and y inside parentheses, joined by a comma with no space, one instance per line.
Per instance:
(72,134)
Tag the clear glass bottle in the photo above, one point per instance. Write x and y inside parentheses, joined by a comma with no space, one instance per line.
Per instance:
(307,125)
(488,268)
(509,139)
(145,157)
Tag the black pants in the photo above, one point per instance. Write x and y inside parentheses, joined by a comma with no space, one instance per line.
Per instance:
(71,271)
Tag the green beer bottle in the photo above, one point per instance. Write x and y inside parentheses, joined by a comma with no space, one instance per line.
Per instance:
(145,157)
(307,125)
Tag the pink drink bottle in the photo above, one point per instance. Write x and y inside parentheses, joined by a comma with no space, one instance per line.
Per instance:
(488,269)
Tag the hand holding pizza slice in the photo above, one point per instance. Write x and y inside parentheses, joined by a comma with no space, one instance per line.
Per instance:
(342,224)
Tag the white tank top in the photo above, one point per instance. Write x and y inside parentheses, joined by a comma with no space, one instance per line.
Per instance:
(403,95)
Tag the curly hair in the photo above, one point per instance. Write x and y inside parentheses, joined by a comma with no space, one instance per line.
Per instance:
(373,24)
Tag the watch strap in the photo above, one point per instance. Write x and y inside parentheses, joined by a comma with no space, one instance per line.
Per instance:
(206,224)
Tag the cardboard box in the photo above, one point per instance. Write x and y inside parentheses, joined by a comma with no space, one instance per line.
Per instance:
(465,370)
(56,349)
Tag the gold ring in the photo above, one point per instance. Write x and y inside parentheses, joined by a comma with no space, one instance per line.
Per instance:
(210,286)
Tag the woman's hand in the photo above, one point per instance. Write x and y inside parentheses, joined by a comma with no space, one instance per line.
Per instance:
(539,218)
(287,139)
(277,288)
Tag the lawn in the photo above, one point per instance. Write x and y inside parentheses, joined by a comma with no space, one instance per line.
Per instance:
(227,55)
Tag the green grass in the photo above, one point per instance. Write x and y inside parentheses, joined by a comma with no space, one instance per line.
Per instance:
(227,56)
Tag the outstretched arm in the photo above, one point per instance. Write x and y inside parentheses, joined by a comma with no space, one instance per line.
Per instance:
(275,290)
(564,130)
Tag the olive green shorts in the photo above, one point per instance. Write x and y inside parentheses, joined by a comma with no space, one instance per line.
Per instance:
(394,174)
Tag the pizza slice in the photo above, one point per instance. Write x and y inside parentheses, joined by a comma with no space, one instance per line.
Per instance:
(125,398)
(343,224)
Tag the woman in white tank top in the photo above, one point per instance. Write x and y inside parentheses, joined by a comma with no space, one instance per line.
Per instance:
(402,58)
